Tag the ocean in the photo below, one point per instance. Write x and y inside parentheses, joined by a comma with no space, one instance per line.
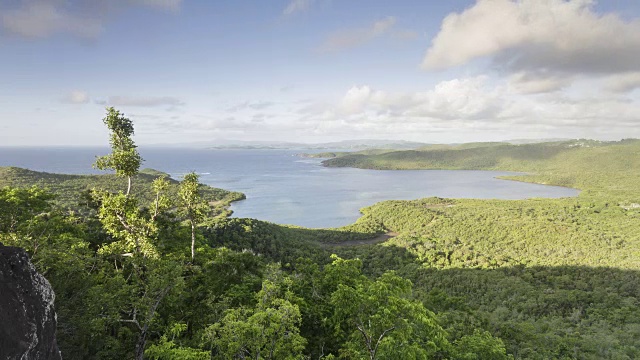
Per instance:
(286,189)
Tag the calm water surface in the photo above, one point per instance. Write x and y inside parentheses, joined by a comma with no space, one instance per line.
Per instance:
(286,189)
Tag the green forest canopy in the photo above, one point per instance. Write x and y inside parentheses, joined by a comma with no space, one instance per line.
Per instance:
(463,279)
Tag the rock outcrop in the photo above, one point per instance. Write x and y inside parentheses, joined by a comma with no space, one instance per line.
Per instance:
(27,315)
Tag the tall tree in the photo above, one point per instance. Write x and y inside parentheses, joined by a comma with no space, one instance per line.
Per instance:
(269,331)
(124,158)
(160,186)
(147,277)
(379,320)
(193,206)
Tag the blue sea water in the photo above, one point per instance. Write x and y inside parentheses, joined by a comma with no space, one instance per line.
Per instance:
(286,189)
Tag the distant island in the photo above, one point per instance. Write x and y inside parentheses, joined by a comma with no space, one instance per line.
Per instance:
(529,157)
(344,145)
(391,147)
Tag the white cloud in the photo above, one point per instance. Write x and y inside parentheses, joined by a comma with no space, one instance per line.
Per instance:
(537,82)
(359,97)
(351,38)
(296,6)
(76,97)
(468,98)
(537,35)
(40,19)
(143,101)
(463,109)
(621,83)
(477,107)
(83,18)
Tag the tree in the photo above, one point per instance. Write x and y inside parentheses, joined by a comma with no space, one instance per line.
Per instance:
(269,331)
(380,321)
(194,207)
(160,186)
(123,219)
(19,206)
(147,278)
(315,285)
(120,214)
(124,158)
(481,346)
(167,349)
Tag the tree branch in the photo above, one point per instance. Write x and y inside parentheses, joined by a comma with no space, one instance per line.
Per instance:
(375,349)
(135,322)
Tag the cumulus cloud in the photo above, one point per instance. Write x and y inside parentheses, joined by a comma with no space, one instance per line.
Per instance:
(469,98)
(296,6)
(526,37)
(83,18)
(478,106)
(76,97)
(463,109)
(143,101)
(351,38)
(537,82)
(359,97)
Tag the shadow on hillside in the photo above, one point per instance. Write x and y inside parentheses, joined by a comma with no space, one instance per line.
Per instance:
(539,312)
(282,243)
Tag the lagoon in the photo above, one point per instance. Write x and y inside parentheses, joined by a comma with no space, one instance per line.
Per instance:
(286,189)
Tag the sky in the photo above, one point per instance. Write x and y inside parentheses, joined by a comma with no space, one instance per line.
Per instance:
(209,71)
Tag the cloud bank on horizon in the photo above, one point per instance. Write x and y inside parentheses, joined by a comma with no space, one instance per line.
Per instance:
(317,70)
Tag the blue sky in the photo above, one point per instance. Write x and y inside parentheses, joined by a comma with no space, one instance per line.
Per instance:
(319,70)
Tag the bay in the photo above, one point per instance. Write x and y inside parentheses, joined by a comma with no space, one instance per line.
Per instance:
(286,189)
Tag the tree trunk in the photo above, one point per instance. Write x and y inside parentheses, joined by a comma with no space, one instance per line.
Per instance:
(142,339)
(193,240)
(142,342)
(129,185)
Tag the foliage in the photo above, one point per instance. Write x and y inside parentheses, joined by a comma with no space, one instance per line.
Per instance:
(605,169)
(381,321)
(124,158)
(460,279)
(71,191)
(192,206)
(19,206)
(269,331)
(122,218)
(481,346)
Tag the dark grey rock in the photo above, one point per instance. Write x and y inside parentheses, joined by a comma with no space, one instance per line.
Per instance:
(27,315)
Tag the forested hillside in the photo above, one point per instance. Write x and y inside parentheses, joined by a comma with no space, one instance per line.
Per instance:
(556,278)
(158,273)
(585,164)
(73,190)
